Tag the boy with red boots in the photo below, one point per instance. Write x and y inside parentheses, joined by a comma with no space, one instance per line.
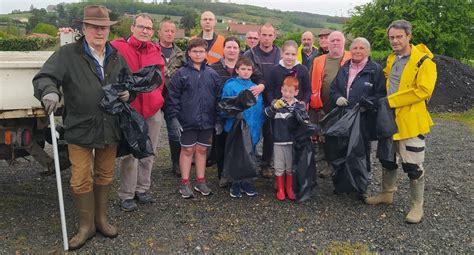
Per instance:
(284,124)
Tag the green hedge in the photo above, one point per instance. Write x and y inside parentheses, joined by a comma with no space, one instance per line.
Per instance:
(26,44)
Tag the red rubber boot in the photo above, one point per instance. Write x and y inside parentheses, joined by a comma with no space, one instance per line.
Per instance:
(289,187)
(280,194)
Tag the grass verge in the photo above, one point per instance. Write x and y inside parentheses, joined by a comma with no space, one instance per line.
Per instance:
(466,117)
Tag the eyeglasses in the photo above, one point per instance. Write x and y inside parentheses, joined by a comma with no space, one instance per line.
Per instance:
(142,27)
(252,38)
(198,51)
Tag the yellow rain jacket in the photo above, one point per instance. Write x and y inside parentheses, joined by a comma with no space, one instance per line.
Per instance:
(416,87)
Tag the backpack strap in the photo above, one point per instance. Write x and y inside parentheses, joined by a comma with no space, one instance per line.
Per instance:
(422,59)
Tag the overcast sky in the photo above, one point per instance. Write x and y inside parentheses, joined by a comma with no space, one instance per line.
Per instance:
(328,7)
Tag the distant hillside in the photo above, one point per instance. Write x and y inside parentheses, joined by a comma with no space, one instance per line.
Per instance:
(283,20)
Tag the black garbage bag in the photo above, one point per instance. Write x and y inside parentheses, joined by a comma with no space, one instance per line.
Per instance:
(350,167)
(386,127)
(304,167)
(239,163)
(132,124)
(234,105)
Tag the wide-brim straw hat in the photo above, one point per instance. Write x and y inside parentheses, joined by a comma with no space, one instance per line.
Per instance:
(97,15)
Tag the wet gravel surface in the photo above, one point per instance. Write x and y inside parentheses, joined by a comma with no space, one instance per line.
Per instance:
(29,216)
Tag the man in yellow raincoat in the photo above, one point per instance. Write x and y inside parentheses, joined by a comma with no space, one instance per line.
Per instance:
(411,78)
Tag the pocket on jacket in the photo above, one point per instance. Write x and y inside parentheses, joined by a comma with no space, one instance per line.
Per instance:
(79,129)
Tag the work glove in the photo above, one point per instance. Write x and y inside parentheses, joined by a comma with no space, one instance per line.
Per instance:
(176,127)
(278,104)
(218,128)
(341,101)
(50,102)
(124,96)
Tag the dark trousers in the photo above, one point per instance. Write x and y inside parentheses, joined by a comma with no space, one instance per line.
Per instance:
(267,143)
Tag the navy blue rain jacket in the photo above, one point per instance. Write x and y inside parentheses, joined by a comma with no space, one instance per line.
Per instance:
(193,96)
(369,83)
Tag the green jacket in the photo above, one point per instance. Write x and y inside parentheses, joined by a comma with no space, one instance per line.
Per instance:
(71,68)
(177,60)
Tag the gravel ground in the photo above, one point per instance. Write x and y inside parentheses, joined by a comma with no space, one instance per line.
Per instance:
(29,217)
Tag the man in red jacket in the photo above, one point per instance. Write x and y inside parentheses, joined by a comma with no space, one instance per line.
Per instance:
(139,52)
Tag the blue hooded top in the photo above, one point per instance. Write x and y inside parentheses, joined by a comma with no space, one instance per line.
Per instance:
(254,115)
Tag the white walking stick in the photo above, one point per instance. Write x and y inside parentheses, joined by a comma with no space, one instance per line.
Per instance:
(58,181)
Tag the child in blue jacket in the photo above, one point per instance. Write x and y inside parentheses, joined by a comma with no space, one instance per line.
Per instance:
(253,116)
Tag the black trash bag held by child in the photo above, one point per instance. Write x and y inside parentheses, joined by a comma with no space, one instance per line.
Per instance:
(134,128)
(304,167)
(239,163)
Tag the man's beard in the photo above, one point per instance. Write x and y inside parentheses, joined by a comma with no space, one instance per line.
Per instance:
(307,49)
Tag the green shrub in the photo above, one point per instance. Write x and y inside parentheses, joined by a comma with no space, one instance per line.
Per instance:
(44,28)
(378,56)
(181,43)
(26,44)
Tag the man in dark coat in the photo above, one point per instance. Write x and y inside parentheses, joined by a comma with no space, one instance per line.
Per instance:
(82,69)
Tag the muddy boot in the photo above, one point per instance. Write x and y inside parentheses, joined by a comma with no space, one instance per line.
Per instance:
(326,170)
(85,206)
(289,187)
(280,194)
(175,150)
(101,193)
(417,188)
(389,180)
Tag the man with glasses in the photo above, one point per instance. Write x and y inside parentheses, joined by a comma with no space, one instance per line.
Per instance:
(251,40)
(139,51)
(411,78)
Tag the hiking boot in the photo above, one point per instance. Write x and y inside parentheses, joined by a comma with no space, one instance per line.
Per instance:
(186,191)
(248,188)
(144,198)
(223,182)
(267,172)
(235,190)
(128,205)
(202,188)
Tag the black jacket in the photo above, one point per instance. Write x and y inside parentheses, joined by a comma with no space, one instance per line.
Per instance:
(279,73)
(75,70)
(193,96)
(262,74)
(285,122)
(369,83)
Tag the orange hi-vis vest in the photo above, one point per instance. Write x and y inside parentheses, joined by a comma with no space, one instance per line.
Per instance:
(317,76)
(216,51)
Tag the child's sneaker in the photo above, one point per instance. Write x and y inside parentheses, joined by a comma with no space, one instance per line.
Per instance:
(249,189)
(235,190)
(202,188)
(185,190)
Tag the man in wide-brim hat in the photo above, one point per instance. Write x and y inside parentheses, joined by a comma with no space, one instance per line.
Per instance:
(82,68)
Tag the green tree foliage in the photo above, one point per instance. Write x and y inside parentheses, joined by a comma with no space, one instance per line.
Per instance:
(188,21)
(40,16)
(288,36)
(446,27)
(44,28)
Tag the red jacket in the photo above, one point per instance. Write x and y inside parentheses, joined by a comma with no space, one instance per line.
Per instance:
(138,55)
